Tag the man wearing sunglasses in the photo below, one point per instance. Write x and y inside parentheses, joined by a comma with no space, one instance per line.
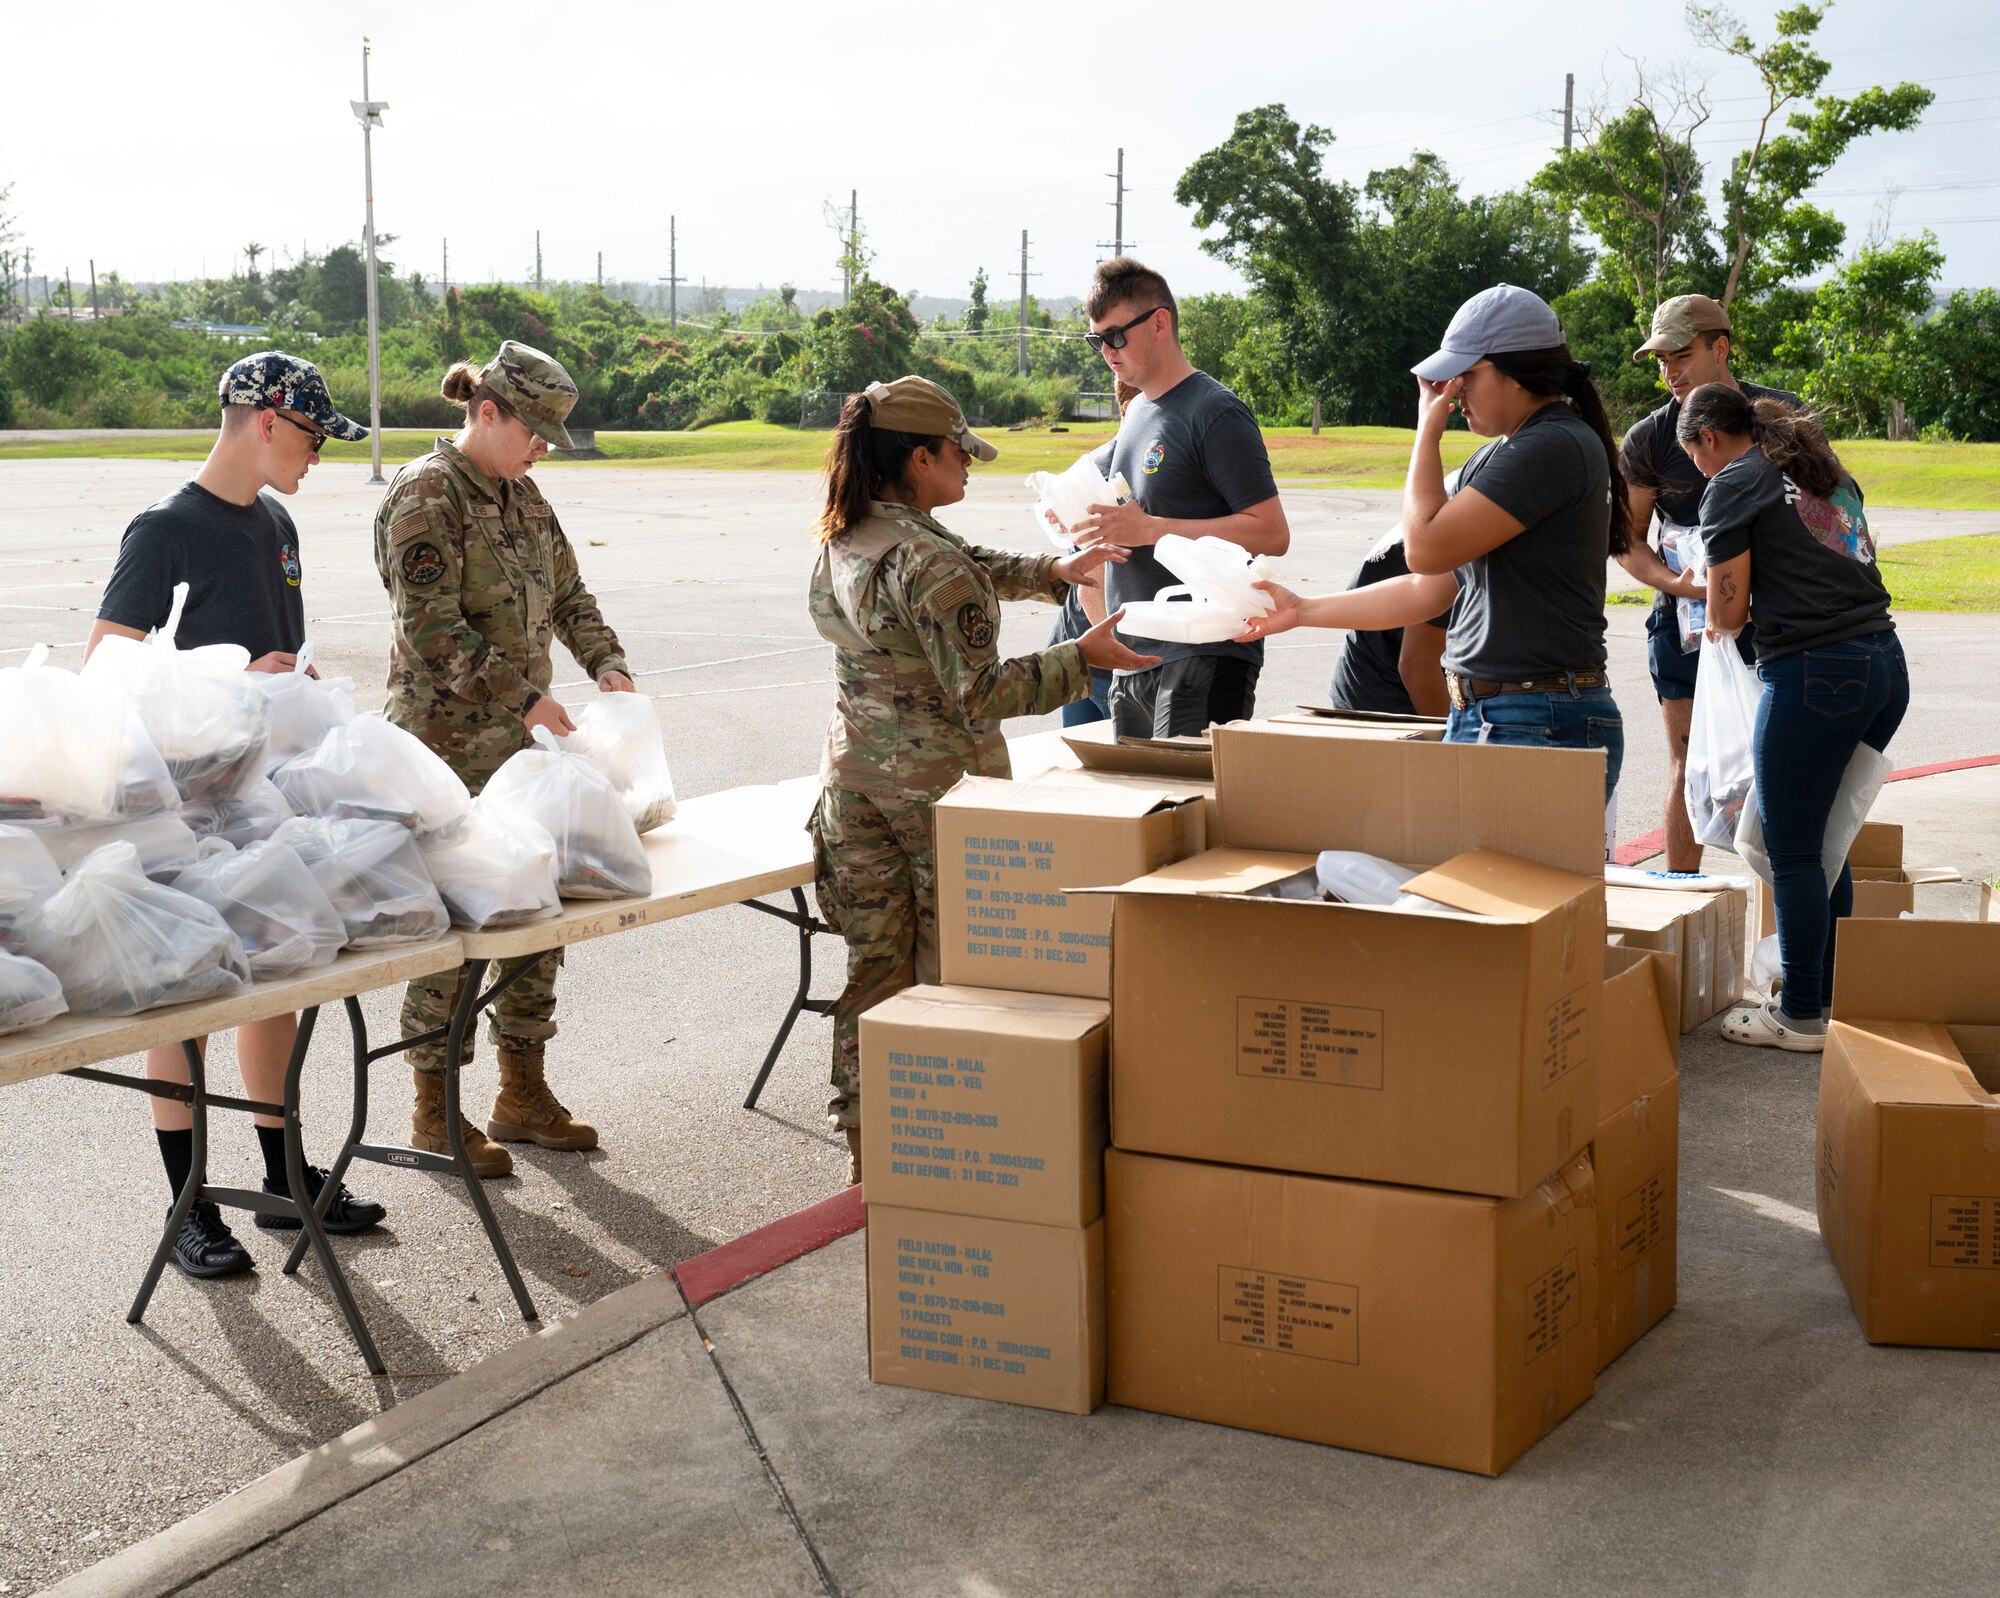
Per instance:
(1197,466)
(238,552)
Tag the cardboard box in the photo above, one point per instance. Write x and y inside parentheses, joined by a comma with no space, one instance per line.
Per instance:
(1450,1051)
(1636,1153)
(1149,782)
(1295,790)
(1098,748)
(1364,723)
(986,1103)
(987,1309)
(1907,1168)
(1695,930)
(1989,900)
(1884,887)
(1008,854)
(1435,1327)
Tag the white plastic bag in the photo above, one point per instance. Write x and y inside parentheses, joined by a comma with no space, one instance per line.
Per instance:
(273,903)
(206,717)
(72,750)
(30,993)
(121,944)
(620,735)
(249,818)
(1767,969)
(1867,770)
(369,770)
(373,874)
(28,875)
(598,853)
(1682,550)
(497,868)
(163,844)
(304,708)
(1721,766)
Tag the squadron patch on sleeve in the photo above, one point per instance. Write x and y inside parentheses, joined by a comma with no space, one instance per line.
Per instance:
(974,625)
(423,565)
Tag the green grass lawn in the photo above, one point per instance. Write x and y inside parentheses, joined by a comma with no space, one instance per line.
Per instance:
(1954,574)
(1917,476)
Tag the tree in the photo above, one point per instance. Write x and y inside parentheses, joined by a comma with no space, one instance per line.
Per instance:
(1859,337)
(871,338)
(338,290)
(50,359)
(1954,383)
(1770,232)
(975,313)
(250,253)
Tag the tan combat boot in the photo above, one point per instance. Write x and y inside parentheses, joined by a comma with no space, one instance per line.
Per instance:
(427,1130)
(527,1112)
(853,1156)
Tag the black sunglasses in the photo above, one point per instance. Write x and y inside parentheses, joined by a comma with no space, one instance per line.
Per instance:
(318,438)
(1115,336)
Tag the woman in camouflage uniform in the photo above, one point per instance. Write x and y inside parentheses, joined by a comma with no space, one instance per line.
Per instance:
(481,582)
(913,613)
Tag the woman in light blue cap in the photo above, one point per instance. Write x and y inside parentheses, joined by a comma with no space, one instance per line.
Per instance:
(1517,551)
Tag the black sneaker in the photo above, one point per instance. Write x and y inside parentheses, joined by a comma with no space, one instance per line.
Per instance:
(344,1215)
(206,1247)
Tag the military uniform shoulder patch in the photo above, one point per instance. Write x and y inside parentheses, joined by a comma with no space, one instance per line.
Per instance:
(974,625)
(423,564)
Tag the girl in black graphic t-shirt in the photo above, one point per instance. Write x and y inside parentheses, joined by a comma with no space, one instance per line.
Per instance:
(1788,546)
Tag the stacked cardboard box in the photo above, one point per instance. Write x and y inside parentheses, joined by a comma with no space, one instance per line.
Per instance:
(1884,886)
(1907,1169)
(1348,1199)
(983,1149)
(1703,933)
(1636,1153)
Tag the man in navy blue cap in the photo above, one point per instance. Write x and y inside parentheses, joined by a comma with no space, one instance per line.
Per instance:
(238,552)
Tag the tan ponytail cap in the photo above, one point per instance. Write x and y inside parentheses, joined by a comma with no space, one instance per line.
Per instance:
(917,405)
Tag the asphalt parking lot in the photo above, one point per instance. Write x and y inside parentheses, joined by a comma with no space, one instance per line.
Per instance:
(114,1432)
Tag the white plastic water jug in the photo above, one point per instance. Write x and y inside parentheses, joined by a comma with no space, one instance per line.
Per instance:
(1176,616)
(1218,571)
(1063,501)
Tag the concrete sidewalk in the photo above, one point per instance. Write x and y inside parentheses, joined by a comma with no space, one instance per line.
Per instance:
(1754,1443)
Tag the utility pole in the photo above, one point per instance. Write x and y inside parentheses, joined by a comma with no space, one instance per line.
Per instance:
(1118,208)
(93,290)
(673,272)
(538,260)
(1021,335)
(27,282)
(69,294)
(600,271)
(853,235)
(1569,109)
(446,279)
(369,114)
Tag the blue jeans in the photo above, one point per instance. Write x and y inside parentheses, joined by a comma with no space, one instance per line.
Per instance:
(1583,718)
(1082,712)
(1818,707)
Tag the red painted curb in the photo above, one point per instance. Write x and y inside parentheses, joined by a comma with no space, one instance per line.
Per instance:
(708,1276)
(1648,844)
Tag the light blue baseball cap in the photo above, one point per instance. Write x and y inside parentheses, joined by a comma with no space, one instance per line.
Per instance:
(1501,318)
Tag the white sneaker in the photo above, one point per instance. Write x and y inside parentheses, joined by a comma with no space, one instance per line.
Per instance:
(1762,1026)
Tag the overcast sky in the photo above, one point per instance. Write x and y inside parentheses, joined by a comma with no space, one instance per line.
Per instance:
(158,139)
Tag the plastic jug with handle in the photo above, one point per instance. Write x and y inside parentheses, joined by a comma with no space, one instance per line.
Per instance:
(1218,571)
(1177,616)
(1061,501)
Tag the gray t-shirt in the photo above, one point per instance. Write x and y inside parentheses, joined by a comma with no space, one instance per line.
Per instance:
(1194,454)
(1534,607)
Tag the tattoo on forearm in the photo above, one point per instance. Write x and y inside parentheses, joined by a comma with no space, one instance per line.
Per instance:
(1728,589)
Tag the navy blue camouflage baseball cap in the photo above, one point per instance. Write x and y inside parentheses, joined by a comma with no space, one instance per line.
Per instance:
(273,380)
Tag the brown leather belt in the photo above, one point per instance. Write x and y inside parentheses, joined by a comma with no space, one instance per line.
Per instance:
(1467,690)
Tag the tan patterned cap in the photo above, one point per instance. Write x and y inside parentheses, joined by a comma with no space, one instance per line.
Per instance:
(535,387)
(917,405)
(1679,321)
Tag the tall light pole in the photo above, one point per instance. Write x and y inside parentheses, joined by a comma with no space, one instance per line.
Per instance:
(369,114)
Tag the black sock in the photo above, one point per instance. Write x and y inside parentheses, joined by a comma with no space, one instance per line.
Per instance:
(177,1154)
(272,1140)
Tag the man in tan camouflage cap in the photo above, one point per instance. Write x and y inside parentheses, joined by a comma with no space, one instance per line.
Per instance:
(481,583)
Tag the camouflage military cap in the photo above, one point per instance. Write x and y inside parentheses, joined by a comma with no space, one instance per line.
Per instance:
(917,405)
(535,387)
(1679,321)
(273,380)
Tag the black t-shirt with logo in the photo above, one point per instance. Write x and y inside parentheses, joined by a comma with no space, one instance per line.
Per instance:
(1813,577)
(1194,454)
(1369,674)
(1652,457)
(240,562)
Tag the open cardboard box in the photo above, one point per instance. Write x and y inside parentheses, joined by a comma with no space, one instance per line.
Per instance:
(1884,887)
(1636,1152)
(1008,854)
(1452,1050)
(1907,1157)
(1098,748)
(1364,723)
